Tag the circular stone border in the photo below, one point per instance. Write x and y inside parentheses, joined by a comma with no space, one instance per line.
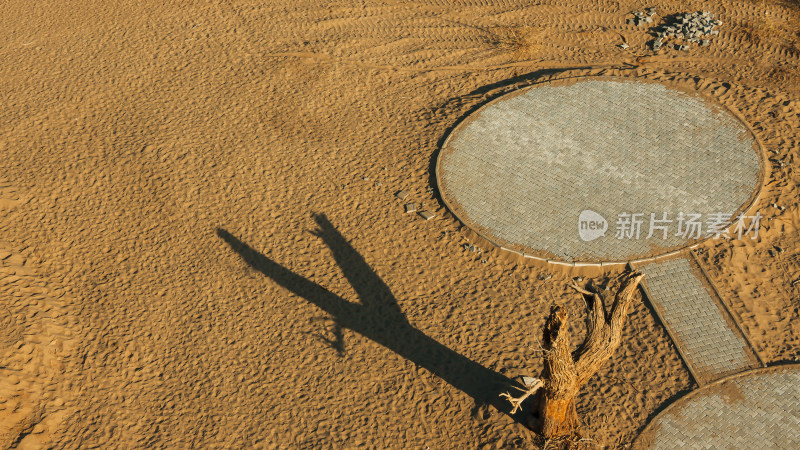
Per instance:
(647,435)
(539,255)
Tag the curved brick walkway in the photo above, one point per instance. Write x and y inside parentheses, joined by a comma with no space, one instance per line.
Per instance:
(522,169)
(758,409)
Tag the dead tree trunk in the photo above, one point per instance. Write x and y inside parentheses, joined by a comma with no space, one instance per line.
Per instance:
(565,371)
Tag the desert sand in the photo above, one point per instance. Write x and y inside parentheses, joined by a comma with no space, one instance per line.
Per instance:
(200,245)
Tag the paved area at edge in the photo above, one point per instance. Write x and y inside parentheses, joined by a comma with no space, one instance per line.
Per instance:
(522,169)
(755,410)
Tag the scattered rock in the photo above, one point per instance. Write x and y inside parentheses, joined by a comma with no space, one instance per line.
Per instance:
(411,207)
(472,248)
(402,195)
(657,44)
(642,17)
(427,215)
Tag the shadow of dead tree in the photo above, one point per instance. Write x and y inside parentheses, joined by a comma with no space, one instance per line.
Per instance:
(378,317)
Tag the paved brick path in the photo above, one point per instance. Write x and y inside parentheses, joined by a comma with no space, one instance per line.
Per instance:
(709,340)
(751,408)
(522,169)
(755,410)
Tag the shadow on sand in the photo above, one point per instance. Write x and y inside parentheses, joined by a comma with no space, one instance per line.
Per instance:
(378,317)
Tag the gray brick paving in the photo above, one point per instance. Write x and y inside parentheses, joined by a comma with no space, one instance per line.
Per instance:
(754,409)
(757,410)
(712,345)
(523,168)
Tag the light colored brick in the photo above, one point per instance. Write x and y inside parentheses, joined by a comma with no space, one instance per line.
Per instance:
(763,415)
(712,348)
(525,167)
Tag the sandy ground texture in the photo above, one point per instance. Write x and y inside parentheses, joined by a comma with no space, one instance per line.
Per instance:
(200,244)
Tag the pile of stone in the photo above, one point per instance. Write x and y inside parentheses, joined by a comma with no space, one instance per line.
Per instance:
(690,27)
(641,18)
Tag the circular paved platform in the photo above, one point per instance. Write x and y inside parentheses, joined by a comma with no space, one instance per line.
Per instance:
(522,169)
(754,410)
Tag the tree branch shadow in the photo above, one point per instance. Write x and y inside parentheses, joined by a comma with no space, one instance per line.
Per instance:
(378,317)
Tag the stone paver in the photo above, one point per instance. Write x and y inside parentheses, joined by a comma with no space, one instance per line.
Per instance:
(755,410)
(704,332)
(523,168)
